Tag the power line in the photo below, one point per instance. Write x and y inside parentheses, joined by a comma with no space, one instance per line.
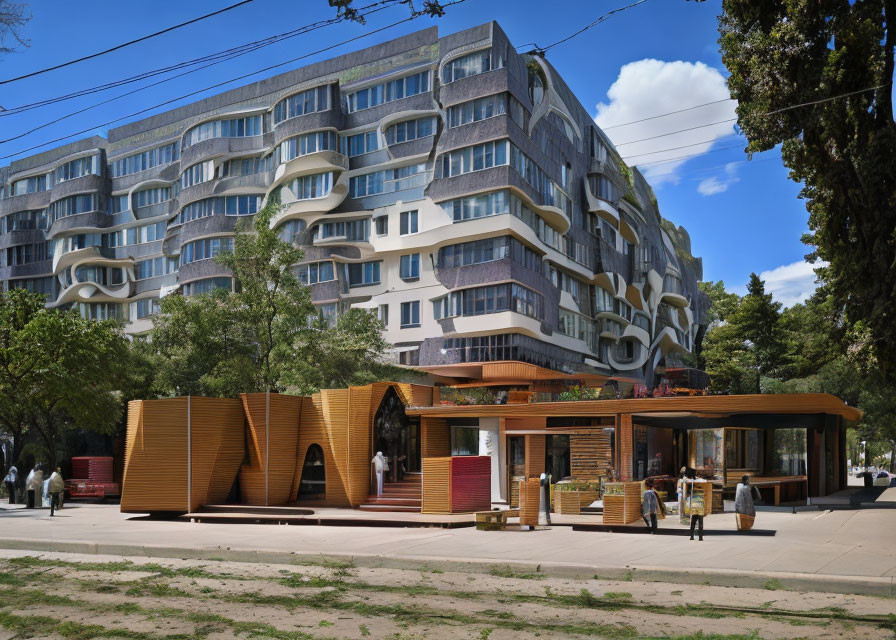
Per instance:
(684,146)
(300,31)
(690,155)
(125,44)
(413,16)
(668,113)
(602,18)
(672,133)
(226,54)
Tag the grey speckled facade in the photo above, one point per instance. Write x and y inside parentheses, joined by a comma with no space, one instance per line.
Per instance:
(508,233)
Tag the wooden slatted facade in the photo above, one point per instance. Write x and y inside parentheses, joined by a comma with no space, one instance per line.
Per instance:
(269,477)
(590,456)
(436,485)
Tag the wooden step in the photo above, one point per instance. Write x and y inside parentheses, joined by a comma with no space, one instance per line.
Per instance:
(281,510)
(386,507)
(393,501)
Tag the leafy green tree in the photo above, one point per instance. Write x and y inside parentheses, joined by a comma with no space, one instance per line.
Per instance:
(58,371)
(722,303)
(784,53)
(757,320)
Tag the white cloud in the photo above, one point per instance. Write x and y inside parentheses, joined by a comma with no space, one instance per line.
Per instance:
(792,283)
(649,87)
(713,185)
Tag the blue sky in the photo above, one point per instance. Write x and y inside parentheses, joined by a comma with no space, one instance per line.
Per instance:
(657,57)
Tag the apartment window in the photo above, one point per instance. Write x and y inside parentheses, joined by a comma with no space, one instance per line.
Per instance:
(487,250)
(146,307)
(410,358)
(408,222)
(290,230)
(73,205)
(410,130)
(197,174)
(149,197)
(24,221)
(604,188)
(472,64)
(388,181)
(518,113)
(315,272)
(155,267)
(307,143)
(603,300)
(117,204)
(410,267)
(476,110)
(479,301)
(328,313)
(33,184)
(144,160)
(204,249)
(26,254)
(147,233)
(363,273)
(100,275)
(227,205)
(382,314)
(230,128)
(310,101)
(382,225)
(575,325)
(78,168)
(475,158)
(410,314)
(100,310)
(360,143)
(388,91)
(351,230)
(206,285)
(317,185)
(46,286)
(247,166)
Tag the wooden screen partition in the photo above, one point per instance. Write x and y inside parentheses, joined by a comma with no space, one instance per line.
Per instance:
(436,485)
(529,501)
(180,453)
(270,475)
(624,446)
(535,454)
(435,438)
(590,456)
(459,484)
(622,502)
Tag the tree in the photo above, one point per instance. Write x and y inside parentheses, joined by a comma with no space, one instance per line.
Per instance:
(271,304)
(757,322)
(783,53)
(722,303)
(58,371)
(344,9)
(13,16)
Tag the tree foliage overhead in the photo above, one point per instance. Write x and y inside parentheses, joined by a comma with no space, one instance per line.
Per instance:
(793,52)
(13,16)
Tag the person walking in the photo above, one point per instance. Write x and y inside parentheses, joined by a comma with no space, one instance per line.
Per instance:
(694,504)
(380,466)
(650,506)
(744,508)
(34,485)
(57,487)
(11,479)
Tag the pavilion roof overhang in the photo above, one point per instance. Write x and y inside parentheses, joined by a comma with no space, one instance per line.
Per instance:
(687,411)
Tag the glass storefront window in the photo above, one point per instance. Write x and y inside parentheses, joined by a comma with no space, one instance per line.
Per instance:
(789,456)
(465,441)
(708,452)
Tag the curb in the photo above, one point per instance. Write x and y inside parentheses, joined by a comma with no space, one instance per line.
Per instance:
(772,580)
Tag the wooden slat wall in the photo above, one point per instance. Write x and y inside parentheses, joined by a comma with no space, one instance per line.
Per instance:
(625,445)
(529,500)
(156,469)
(135,409)
(216,448)
(361,412)
(535,446)
(300,455)
(252,479)
(590,456)
(436,485)
(334,403)
(435,438)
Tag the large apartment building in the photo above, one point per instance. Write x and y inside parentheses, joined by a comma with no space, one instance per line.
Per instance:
(453,185)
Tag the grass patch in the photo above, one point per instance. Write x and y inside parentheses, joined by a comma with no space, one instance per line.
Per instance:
(506,571)
(773,585)
(618,595)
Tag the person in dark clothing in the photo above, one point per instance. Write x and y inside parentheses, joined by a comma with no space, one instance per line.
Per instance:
(650,506)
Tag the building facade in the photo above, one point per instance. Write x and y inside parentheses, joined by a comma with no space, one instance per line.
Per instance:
(454,186)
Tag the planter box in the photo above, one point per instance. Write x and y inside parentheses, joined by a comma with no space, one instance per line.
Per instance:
(571,502)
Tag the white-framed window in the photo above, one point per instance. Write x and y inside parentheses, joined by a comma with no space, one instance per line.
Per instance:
(410,266)
(314,272)
(299,104)
(472,64)
(410,314)
(475,158)
(360,143)
(408,222)
(388,181)
(317,185)
(411,130)
(360,274)
(476,110)
(382,225)
(382,314)
(230,128)
(388,91)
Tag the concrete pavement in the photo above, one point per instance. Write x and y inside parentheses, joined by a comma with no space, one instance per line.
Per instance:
(842,551)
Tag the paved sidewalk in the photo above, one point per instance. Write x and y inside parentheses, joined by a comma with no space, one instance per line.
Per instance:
(855,550)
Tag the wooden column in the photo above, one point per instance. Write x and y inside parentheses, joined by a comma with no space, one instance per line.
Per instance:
(625,446)
(535,450)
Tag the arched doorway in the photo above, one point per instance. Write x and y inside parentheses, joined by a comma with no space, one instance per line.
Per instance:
(397,436)
(313,483)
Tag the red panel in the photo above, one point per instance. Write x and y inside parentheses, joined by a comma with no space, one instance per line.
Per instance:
(97,469)
(471,483)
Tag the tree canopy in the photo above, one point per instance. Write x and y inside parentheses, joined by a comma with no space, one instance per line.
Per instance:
(816,78)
